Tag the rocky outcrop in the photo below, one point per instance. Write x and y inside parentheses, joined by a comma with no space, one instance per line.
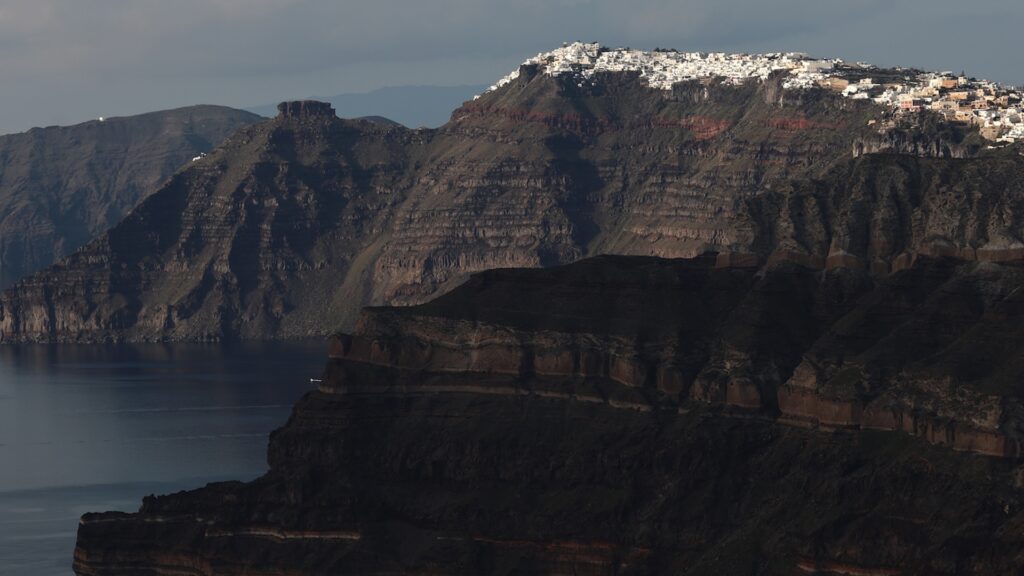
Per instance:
(917,141)
(305,108)
(296,224)
(63,186)
(927,135)
(635,415)
(892,143)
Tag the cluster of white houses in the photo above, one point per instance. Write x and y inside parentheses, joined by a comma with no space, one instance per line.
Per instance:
(998,111)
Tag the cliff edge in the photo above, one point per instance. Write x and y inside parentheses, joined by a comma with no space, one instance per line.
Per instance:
(631,415)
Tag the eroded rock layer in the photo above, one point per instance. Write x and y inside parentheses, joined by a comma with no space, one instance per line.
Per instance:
(628,415)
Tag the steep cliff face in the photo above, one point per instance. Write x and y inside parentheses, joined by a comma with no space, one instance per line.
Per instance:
(544,171)
(924,135)
(295,224)
(62,186)
(878,212)
(254,239)
(628,415)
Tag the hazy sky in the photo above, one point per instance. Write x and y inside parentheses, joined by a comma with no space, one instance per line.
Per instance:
(66,61)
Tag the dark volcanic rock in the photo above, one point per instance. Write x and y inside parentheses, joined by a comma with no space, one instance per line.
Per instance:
(305,108)
(62,186)
(636,416)
(295,224)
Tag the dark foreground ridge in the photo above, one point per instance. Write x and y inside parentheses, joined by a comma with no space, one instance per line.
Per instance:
(632,415)
(295,224)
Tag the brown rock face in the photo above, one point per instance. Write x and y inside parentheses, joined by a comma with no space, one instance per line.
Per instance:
(295,224)
(63,186)
(631,415)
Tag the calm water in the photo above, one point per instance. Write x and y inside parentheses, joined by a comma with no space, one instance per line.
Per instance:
(93,428)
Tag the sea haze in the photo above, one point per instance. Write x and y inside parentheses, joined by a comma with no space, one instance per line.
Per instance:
(89,428)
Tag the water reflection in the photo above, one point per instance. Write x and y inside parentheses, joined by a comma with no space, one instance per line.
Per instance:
(98,427)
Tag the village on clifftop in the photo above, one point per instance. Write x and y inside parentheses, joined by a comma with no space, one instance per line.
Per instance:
(994,109)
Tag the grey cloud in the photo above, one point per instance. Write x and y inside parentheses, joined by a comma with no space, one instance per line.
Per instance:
(144,54)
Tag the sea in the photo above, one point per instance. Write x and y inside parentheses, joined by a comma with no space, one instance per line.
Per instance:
(97,428)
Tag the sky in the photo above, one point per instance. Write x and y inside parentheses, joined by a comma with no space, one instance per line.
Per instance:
(68,61)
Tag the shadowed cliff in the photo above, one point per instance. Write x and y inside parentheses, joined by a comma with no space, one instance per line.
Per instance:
(633,415)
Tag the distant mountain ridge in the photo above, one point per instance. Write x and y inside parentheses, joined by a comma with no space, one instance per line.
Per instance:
(411,106)
(62,186)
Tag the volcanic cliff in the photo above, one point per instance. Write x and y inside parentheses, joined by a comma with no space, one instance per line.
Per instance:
(63,186)
(296,223)
(826,382)
(634,415)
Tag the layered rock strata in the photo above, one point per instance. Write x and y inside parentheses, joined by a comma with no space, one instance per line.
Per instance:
(295,224)
(635,416)
(63,186)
